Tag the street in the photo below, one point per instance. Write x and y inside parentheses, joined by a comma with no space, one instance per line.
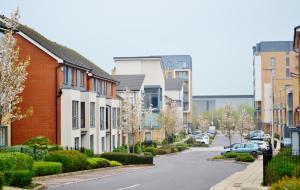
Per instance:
(188,170)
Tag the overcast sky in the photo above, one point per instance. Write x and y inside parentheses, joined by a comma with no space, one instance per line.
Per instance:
(217,34)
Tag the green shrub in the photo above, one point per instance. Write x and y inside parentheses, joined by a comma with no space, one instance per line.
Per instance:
(285,151)
(231,154)
(121,149)
(114,163)
(150,143)
(190,140)
(126,159)
(181,146)
(161,151)
(152,150)
(40,140)
(36,154)
(18,178)
(42,168)
(71,160)
(15,161)
(244,158)
(286,183)
(218,157)
(89,152)
(94,163)
(1,180)
(147,154)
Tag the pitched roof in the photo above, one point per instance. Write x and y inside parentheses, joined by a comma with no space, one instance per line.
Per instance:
(68,55)
(173,84)
(132,82)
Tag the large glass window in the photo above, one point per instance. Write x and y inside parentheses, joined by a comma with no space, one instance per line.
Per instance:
(114,118)
(75,114)
(82,114)
(153,97)
(103,144)
(92,114)
(101,118)
(92,142)
(103,88)
(76,143)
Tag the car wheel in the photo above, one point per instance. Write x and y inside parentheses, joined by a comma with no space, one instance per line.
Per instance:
(254,154)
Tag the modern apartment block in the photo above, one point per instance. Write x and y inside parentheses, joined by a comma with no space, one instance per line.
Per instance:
(74,101)
(276,90)
(144,76)
(180,66)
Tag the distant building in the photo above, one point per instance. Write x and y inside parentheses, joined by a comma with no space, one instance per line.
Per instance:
(180,66)
(207,103)
(279,57)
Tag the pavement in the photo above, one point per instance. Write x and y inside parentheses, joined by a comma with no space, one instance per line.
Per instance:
(190,170)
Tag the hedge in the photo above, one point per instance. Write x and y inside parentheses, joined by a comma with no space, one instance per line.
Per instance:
(114,163)
(245,158)
(35,153)
(181,146)
(151,149)
(1,180)
(18,178)
(42,168)
(15,161)
(126,159)
(122,148)
(97,163)
(71,160)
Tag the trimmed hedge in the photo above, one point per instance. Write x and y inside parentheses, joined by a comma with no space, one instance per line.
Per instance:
(161,151)
(71,160)
(245,158)
(1,180)
(89,152)
(126,159)
(181,146)
(94,163)
(151,149)
(122,148)
(15,161)
(18,178)
(114,163)
(42,168)
(36,154)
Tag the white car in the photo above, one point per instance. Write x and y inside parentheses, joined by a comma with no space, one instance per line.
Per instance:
(262,144)
(202,139)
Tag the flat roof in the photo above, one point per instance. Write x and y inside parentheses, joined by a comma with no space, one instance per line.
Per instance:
(224,96)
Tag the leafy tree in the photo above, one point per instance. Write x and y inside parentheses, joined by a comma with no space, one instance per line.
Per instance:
(244,123)
(227,122)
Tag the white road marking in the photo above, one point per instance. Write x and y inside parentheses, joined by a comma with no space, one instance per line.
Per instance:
(133,186)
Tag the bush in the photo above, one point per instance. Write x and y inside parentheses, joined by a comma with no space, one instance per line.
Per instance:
(94,163)
(18,178)
(244,158)
(1,180)
(181,146)
(40,140)
(114,163)
(150,143)
(147,154)
(231,154)
(42,168)
(190,140)
(218,157)
(89,152)
(125,158)
(15,161)
(35,153)
(122,148)
(71,160)
(152,150)
(286,183)
(161,151)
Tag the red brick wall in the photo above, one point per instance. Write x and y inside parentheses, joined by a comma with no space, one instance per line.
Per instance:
(39,93)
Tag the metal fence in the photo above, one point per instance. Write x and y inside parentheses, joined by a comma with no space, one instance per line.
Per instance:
(275,167)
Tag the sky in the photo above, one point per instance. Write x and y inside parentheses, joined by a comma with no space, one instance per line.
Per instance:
(218,34)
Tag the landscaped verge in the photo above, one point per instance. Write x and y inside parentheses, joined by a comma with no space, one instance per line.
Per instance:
(240,157)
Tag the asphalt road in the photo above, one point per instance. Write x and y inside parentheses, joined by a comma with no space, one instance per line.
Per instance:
(182,171)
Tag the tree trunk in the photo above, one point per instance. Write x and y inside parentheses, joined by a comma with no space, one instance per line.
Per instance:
(229,136)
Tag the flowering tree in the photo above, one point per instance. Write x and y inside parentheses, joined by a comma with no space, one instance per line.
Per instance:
(170,119)
(227,122)
(12,75)
(203,122)
(244,123)
(131,114)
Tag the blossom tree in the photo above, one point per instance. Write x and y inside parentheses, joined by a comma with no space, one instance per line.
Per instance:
(203,122)
(13,73)
(227,122)
(131,114)
(244,123)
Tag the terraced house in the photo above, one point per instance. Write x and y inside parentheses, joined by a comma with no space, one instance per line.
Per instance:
(74,101)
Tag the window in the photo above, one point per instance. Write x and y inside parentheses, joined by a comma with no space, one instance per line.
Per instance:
(82,114)
(273,62)
(66,75)
(76,143)
(153,96)
(92,114)
(109,89)
(148,136)
(75,114)
(3,135)
(103,88)
(118,117)
(95,85)
(114,117)
(103,144)
(101,118)
(287,67)
(169,75)
(113,142)
(81,78)
(92,142)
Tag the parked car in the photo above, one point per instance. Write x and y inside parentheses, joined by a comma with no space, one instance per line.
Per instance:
(248,147)
(262,144)
(212,130)
(202,139)
(255,134)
